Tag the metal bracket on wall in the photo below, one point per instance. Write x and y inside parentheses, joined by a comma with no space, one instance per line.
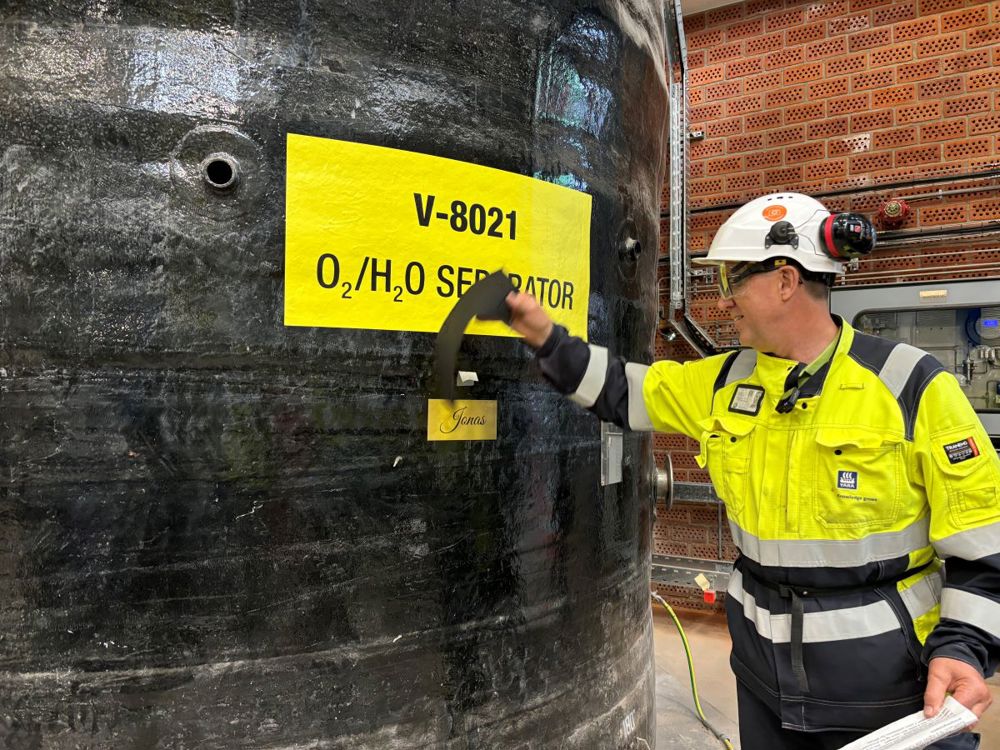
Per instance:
(683,571)
(611,454)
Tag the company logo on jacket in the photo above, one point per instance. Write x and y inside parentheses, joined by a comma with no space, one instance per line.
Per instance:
(847,480)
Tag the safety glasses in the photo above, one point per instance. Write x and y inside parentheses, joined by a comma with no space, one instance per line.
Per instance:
(731,277)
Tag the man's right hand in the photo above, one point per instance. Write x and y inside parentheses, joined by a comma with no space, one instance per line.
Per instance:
(529,319)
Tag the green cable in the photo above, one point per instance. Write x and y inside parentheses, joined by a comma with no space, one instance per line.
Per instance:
(694,684)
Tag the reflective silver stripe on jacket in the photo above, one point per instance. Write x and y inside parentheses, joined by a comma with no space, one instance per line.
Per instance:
(593,379)
(819,553)
(922,596)
(817,627)
(898,367)
(638,417)
(742,367)
(972,609)
(971,544)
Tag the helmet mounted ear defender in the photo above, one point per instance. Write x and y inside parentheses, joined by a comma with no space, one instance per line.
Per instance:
(794,226)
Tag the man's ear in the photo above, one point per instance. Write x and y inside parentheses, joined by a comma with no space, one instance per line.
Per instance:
(789,281)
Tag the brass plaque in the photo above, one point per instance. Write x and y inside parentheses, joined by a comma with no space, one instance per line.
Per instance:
(461,420)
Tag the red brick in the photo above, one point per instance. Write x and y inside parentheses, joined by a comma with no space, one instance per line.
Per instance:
(847,64)
(918,112)
(984,79)
(784,97)
(829,48)
(855,145)
(767,43)
(965,19)
(915,29)
(850,24)
(871,120)
(751,28)
(745,143)
(746,104)
(783,137)
(868,39)
(764,159)
(982,37)
(848,104)
(828,128)
(706,112)
(705,76)
(828,88)
(805,112)
(724,90)
(932,7)
(763,120)
(939,88)
(724,165)
(967,104)
(917,155)
(784,57)
(721,128)
(805,152)
(873,79)
(895,13)
(968,149)
(746,67)
(919,71)
(893,97)
(826,9)
(763,82)
(984,123)
(808,33)
(724,15)
(826,170)
(803,73)
(966,62)
(897,53)
(870,162)
(931,215)
(895,138)
(781,177)
(784,19)
(943,131)
(940,45)
(725,52)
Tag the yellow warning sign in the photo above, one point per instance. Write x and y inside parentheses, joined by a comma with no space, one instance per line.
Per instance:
(379,238)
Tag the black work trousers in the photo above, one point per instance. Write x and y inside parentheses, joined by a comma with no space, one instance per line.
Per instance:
(760,729)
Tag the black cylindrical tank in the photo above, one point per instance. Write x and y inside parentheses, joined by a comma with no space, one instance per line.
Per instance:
(218,531)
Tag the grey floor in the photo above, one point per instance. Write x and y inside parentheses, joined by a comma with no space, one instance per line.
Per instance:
(677,726)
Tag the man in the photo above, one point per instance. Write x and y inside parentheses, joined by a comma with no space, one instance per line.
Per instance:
(850,467)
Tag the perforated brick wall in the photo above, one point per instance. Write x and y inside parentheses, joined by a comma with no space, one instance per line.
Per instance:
(834,95)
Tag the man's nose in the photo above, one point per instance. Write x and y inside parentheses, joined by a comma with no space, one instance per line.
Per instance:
(724,304)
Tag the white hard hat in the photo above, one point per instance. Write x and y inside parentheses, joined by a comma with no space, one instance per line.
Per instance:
(785,225)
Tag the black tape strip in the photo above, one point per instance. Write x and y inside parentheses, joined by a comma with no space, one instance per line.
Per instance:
(486,300)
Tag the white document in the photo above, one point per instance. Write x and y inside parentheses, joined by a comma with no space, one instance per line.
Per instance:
(914,732)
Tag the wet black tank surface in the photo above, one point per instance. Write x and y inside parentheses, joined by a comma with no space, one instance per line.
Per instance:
(218,531)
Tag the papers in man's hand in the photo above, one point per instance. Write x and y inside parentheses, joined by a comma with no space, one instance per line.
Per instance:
(914,732)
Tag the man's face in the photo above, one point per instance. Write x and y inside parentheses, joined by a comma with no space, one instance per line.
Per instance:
(748,293)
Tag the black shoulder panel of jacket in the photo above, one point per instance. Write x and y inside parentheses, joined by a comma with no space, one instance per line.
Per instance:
(903,369)
(563,360)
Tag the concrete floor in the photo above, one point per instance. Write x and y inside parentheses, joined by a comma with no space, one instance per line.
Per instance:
(678,727)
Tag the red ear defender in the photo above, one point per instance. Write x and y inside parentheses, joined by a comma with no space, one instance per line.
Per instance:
(846,236)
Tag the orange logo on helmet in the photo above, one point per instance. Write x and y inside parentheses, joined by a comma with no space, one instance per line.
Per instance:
(775,213)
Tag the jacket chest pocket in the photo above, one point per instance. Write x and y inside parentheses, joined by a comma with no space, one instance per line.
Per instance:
(725,450)
(858,480)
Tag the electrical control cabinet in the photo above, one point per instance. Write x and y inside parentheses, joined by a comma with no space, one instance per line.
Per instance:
(957,322)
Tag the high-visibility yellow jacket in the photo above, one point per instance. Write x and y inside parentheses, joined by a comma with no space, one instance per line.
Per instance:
(844,507)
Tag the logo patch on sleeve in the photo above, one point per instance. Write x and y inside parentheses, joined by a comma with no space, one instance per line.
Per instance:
(747,399)
(847,480)
(961,450)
